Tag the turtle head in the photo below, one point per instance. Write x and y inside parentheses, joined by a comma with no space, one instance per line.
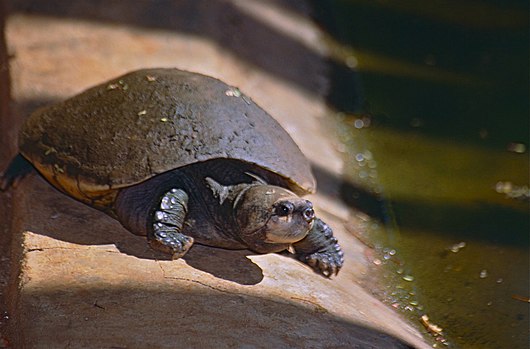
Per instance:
(271,218)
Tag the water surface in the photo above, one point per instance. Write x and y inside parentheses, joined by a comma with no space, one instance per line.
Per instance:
(434,102)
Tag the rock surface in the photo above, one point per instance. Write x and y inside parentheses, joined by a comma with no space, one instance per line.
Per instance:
(81,280)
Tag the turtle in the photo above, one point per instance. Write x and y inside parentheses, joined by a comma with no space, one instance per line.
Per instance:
(181,158)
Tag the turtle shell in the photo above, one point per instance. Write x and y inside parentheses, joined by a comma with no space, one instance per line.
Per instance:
(150,121)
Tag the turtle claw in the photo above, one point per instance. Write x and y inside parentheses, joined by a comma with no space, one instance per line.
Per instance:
(171,242)
(327,263)
(320,250)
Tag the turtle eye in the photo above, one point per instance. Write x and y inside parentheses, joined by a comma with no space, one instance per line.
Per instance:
(284,209)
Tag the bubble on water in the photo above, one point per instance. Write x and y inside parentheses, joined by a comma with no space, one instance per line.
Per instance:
(351,62)
(516,147)
(503,187)
(457,247)
(408,278)
(483,274)
(359,123)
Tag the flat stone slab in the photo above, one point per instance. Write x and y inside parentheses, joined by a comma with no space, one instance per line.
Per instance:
(81,280)
(87,282)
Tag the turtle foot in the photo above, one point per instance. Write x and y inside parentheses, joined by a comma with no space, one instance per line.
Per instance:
(168,221)
(320,250)
(326,263)
(171,242)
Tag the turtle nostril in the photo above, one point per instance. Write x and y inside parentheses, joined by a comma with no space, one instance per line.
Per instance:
(308,214)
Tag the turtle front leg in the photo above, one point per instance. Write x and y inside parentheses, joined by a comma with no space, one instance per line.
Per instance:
(167,222)
(320,250)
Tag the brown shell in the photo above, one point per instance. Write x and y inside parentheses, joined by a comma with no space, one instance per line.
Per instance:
(150,121)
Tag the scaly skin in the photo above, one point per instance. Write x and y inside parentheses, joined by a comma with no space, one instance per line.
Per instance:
(320,250)
(165,234)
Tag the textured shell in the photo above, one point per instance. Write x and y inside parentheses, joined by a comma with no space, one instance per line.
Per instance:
(136,126)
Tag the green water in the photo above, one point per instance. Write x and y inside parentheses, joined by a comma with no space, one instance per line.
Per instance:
(434,100)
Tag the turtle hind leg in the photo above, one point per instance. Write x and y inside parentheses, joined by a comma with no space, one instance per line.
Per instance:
(320,250)
(168,221)
(18,168)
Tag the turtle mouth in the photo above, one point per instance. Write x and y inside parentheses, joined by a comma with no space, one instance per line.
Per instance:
(278,234)
(286,237)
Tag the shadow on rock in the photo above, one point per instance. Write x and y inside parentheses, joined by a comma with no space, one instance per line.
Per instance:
(221,21)
(207,318)
(232,265)
(60,217)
